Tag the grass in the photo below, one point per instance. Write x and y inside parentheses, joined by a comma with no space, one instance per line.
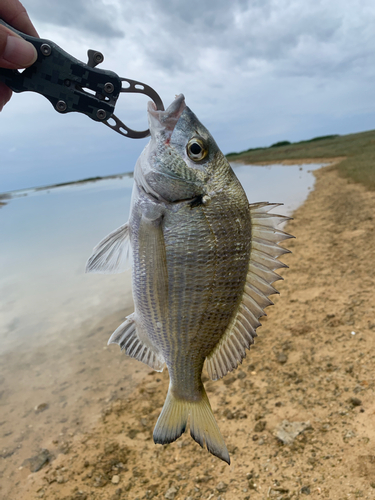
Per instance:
(358,150)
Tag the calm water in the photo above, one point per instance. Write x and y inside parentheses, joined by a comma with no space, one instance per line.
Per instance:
(47,236)
(52,351)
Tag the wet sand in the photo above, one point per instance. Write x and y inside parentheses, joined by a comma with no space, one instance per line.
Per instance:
(313,362)
(48,398)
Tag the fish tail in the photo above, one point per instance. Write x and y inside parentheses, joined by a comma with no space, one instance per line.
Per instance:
(173,420)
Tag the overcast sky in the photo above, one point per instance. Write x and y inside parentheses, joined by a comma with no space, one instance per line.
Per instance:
(254,72)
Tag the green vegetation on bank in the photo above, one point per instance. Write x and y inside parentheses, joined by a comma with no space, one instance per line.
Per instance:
(358,150)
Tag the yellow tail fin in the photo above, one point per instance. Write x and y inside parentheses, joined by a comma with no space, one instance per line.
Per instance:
(203,427)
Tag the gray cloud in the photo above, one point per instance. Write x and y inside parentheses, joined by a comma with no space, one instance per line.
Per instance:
(254,72)
(88,15)
(288,36)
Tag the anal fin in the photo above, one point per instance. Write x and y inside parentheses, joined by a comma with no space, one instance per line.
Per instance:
(126,336)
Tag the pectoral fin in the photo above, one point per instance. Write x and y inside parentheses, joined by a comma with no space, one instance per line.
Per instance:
(112,254)
(152,248)
(231,349)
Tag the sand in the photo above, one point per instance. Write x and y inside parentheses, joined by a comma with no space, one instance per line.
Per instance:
(312,365)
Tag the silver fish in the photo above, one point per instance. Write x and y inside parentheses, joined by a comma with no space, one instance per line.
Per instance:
(203,263)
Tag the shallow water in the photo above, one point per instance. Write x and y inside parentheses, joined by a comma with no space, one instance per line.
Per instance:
(55,320)
(48,236)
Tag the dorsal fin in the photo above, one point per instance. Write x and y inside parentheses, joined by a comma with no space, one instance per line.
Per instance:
(265,250)
(112,254)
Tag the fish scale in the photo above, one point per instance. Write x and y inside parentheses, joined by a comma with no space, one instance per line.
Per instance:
(213,295)
(203,263)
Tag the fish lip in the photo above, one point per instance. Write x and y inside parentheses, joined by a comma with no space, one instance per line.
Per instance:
(164,122)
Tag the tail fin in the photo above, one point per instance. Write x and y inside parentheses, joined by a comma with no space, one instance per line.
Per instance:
(203,427)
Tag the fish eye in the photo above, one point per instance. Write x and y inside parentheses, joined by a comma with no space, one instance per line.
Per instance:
(196,149)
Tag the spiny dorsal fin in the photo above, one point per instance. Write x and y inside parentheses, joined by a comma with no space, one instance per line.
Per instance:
(126,336)
(112,254)
(231,349)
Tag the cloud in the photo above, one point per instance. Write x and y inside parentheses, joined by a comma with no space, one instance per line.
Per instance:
(93,16)
(254,72)
(288,35)
(285,37)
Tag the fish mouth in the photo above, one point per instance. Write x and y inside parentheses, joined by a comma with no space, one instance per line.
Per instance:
(164,122)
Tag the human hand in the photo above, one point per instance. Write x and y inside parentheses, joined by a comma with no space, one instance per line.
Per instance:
(15,52)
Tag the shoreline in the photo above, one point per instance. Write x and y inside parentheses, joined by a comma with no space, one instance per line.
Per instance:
(305,366)
(303,161)
(8,195)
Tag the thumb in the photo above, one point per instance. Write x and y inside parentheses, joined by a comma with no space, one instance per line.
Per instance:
(15,52)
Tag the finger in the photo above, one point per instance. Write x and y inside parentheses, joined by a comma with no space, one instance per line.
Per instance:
(15,52)
(5,95)
(14,13)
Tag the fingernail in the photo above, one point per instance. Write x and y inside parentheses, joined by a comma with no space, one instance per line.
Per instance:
(19,52)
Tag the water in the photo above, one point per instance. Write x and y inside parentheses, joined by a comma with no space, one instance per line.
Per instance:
(47,236)
(55,320)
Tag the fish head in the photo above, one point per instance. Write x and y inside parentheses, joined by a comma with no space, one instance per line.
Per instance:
(181,158)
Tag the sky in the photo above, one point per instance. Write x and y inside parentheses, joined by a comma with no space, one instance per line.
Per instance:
(255,72)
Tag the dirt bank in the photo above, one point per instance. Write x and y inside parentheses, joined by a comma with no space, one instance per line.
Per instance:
(295,161)
(313,362)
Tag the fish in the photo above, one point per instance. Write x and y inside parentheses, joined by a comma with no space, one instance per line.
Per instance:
(203,263)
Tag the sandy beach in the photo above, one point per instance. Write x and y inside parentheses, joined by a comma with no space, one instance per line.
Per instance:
(298,416)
